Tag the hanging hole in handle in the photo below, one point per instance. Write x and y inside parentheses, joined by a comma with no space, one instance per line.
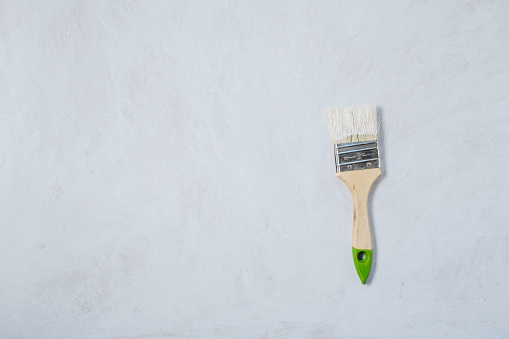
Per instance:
(361,256)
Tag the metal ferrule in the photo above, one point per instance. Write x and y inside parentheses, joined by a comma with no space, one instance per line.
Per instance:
(356,156)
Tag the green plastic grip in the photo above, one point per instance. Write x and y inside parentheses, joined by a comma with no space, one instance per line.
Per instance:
(362,260)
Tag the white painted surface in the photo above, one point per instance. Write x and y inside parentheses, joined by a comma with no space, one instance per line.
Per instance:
(166,169)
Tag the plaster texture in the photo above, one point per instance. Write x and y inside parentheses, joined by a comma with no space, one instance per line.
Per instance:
(166,169)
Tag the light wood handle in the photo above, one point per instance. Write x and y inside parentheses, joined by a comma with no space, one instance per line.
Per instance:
(360,182)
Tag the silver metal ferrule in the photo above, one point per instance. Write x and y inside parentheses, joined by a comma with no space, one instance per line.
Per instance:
(356,156)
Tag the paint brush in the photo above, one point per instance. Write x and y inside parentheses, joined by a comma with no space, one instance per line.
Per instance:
(354,132)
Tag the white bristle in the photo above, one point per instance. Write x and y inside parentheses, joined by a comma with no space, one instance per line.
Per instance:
(354,123)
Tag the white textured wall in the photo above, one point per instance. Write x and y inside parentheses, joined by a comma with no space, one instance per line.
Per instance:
(166,169)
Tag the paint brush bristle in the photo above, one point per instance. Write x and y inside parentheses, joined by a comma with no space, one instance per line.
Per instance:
(351,124)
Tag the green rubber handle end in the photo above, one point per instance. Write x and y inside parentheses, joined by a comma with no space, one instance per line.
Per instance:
(362,260)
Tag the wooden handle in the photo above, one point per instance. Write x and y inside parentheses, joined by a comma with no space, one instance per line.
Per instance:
(360,182)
